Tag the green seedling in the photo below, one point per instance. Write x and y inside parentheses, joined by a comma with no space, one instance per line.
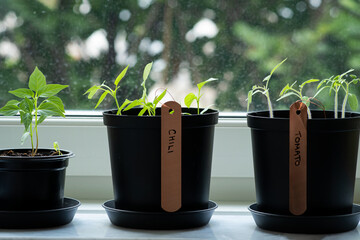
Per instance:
(289,90)
(56,148)
(191,96)
(147,106)
(335,84)
(32,110)
(107,90)
(264,90)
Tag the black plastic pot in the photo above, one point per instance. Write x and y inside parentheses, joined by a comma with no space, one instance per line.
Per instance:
(135,152)
(331,161)
(32,183)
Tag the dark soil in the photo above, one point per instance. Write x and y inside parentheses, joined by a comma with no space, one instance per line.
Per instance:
(12,153)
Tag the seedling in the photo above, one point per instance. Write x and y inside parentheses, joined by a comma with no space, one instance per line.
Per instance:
(32,110)
(264,90)
(147,105)
(107,90)
(56,148)
(289,90)
(191,96)
(335,84)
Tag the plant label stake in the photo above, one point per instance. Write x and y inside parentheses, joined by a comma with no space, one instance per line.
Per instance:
(297,158)
(171,156)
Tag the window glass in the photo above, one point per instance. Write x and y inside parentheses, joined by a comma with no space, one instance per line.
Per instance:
(86,42)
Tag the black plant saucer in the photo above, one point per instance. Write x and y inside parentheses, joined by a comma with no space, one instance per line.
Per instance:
(159,220)
(40,218)
(306,224)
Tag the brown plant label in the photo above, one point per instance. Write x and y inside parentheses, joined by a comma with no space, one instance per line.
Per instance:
(171,156)
(298,158)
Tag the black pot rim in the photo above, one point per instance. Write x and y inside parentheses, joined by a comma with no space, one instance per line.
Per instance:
(132,120)
(24,163)
(280,122)
(66,154)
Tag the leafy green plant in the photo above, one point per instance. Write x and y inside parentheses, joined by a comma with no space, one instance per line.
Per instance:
(32,109)
(264,89)
(147,106)
(336,84)
(289,90)
(191,96)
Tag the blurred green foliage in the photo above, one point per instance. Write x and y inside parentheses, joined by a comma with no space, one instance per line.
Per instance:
(319,38)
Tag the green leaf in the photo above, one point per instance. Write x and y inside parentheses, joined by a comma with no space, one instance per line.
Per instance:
(286,95)
(23,93)
(133,104)
(321,83)
(121,75)
(26,119)
(147,70)
(57,101)
(102,97)
(37,80)
(91,91)
(200,85)
(189,99)
(42,118)
(50,109)
(10,109)
(308,81)
(125,103)
(278,65)
(24,137)
(26,105)
(284,90)
(267,78)
(158,98)
(353,102)
(51,90)
(143,110)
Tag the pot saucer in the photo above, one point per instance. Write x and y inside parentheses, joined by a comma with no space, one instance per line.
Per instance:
(40,218)
(306,224)
(159,220)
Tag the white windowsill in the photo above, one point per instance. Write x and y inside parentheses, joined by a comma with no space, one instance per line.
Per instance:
(231,220)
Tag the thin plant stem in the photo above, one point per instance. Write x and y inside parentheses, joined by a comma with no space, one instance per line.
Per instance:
(336,105)
(271,113)
(344,102)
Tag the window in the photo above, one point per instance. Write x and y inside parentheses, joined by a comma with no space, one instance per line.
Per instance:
(84,42)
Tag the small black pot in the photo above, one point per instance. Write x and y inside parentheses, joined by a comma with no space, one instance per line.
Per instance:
(135,152)
(332,151)
(32,183)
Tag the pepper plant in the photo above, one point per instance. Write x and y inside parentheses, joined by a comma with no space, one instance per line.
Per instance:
(191,96)
(147,106)
(37,103)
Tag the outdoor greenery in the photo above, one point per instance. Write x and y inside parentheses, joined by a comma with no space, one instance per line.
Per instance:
(82,43)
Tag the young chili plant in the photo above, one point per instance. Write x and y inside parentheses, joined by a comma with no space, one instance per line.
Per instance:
(191,96)
(38,102)
(147,106)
